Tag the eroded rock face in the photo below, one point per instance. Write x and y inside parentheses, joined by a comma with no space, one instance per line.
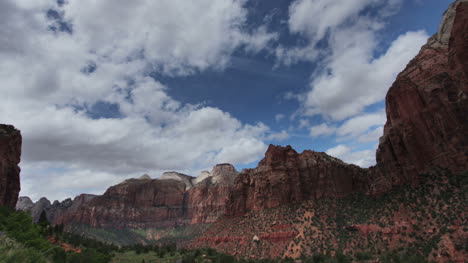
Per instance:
(170,201)
(185,179)
(10,155)
(427,120)
(24,204)
(54,211)
(206,201)
(134,204)
(285,176)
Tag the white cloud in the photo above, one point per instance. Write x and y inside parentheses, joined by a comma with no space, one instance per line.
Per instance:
(322,130)
(349,77)
(315,17)
(360,124)
(365,158)
(304,123)
(48,96)
(353,80)
(372,135)
(342,39)
(279,136)
(177,36)
(289,56)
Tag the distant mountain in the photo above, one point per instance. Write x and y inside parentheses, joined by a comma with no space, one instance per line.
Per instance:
(54,210)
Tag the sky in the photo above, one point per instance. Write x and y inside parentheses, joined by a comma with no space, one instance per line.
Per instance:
(108,90)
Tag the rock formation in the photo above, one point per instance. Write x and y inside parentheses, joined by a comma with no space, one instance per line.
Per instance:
(54,211)
(185,179)
(284,176)
(10,154)
(24,204)
(207,200)
(427,105)
(173,199)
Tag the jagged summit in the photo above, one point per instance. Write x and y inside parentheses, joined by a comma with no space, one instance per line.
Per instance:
(442,38)
(24,203)
(203,175)
(186,179)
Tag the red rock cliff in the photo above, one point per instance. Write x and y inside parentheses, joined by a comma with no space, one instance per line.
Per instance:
(135,203)
(427,106)
(206,201)
(10,154)
(176,199)
(285,176)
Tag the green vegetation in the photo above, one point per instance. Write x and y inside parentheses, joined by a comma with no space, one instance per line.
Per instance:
(211,256)
(128,237)
(23,241)
(416,216)
(26,242)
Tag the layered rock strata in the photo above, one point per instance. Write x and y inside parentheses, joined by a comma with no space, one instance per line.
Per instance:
(285,176)
(172,200)
(427,105)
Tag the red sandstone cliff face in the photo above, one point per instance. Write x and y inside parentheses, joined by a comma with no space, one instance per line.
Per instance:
(10,154)
(133,204)
(206,201)
(427,106)
(284,176)
(157,203)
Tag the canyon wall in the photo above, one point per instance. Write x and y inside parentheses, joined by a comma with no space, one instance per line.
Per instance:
(53,211)
(427,105)
(173,200)
(10,155)
(285,176)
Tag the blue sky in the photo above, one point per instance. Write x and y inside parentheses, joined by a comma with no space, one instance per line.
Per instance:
(103,91)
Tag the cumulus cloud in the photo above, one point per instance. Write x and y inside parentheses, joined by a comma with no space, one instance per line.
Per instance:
(342,38)
(360,124)
(57,65)
(177,36)
(354,80)
(365,158)
(371,136)
(279,136)
(315,17)
(321,130)
(366,127)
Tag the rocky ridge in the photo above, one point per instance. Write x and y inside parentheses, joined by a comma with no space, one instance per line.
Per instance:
(285,176)
(54,210)
(172,200)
